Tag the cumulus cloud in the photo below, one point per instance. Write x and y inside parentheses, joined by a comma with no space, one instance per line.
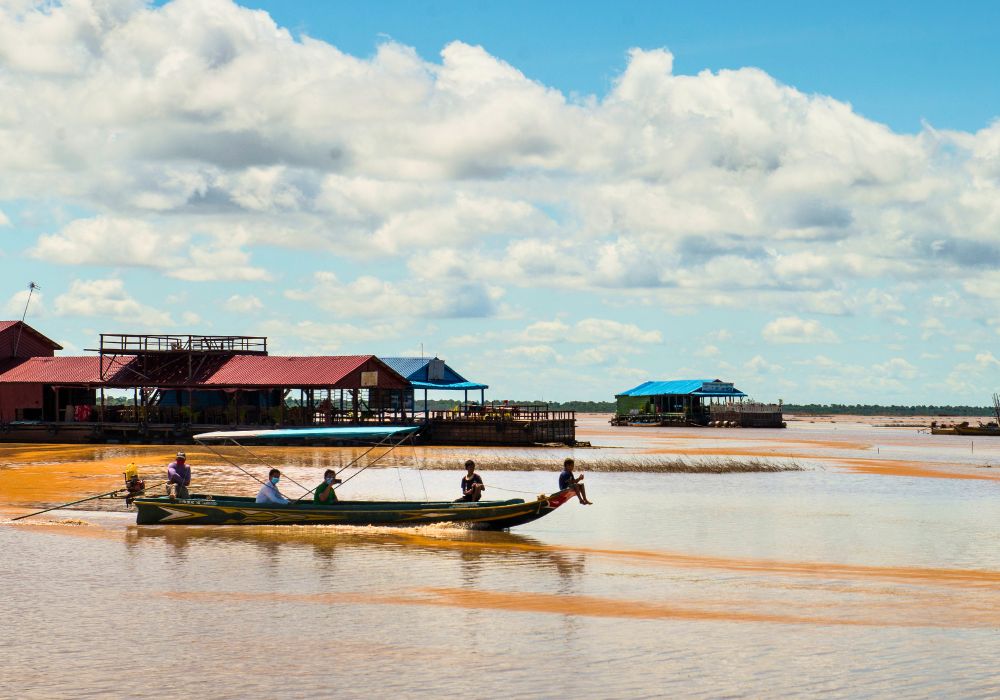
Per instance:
(17,302)
(243,304)
(590,331)
(791,329)
(192,139)
(310,337)
(211,109)
(119,242)
(107,297)
(369,296)
(897,368)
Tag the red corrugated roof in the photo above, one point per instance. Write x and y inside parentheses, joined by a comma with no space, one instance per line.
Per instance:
(256,370)
(52,370)
(237,371)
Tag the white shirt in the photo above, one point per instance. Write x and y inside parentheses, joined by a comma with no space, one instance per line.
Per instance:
(269,493)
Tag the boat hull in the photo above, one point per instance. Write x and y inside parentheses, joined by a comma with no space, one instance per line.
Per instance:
(967,430)
(229,510)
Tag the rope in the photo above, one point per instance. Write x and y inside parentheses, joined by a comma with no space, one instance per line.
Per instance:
(418,463)
(247,450)
(113,494)
(399,475)
(391,448)
(510,490)
(420,473)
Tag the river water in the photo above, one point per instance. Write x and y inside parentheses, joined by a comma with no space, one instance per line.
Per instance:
(874,572)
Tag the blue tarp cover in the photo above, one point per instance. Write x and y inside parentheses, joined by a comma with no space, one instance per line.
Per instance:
(693,387)
(348,433)
(445,386)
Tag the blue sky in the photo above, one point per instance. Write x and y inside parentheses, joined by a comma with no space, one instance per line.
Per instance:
(898,63)
(801,199)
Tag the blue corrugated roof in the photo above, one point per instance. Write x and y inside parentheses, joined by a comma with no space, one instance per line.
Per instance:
(695,387)
(415,369)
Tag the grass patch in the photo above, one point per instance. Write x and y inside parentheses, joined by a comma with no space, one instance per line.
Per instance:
(674,465)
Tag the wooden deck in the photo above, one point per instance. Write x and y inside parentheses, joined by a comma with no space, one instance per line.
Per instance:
(470,425)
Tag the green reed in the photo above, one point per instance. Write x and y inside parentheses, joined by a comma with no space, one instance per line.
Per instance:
(645,464)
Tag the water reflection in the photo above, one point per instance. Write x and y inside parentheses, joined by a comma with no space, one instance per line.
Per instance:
(474,550)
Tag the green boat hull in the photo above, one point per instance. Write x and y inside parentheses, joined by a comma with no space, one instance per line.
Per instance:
(236,510)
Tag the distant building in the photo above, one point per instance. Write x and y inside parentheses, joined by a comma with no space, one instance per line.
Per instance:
(675,401)
(693,402)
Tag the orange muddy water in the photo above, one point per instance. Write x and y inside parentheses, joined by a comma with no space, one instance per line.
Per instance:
(873,572)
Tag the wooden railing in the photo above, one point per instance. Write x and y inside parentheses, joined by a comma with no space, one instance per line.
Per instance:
(135,344)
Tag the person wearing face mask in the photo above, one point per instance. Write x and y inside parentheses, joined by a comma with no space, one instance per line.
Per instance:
(325,492)
(269,492)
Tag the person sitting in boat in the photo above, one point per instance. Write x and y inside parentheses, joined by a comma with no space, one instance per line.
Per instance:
(178,477)
(472,484)
(269,492)
(325,492)
(568,481)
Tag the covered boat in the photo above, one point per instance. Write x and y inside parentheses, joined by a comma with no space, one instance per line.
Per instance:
(208,509)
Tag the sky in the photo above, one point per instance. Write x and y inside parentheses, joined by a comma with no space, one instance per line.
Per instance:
(802,200)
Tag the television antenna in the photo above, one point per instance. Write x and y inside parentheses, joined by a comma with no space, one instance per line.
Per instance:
(17,341)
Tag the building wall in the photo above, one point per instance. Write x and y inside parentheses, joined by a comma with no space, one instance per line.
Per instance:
(19,396)
(627,404)
(384,376)
(30,345)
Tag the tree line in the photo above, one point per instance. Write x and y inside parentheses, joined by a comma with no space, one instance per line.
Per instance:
(880,410)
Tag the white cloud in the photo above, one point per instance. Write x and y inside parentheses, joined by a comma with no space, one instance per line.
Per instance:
(987,360)
(15,305)
(758,365)
(241,304)
(110,241)
(896,368)
(119,242)
(192,139)
(371,297)
(539,353)
(212,110)
(932,326)
(309,337)
(791,329)
(107,297)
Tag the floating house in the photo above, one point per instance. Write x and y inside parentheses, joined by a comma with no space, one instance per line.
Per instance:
(692,402)
(179,385)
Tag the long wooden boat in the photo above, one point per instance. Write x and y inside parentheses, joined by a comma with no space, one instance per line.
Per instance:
(210,509)
(236,510)
(986,430)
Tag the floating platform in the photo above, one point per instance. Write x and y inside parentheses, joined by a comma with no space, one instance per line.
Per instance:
(531,428)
